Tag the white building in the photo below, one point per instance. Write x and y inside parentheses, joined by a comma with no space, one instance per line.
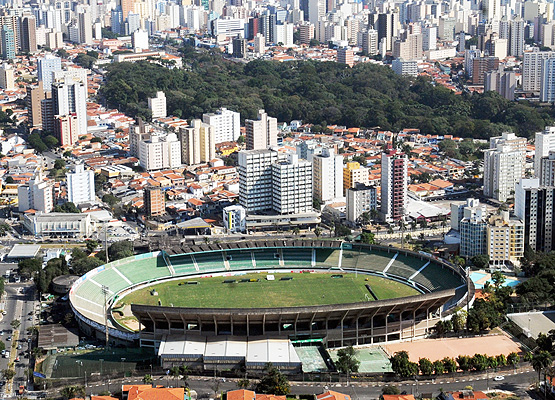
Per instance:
(292,186)
(226,123)
(70,97)
(503,166)
(59,224)
(532,65)
(255,179)
(466,210)
(545,143)
(159,152)
(327,172)
(228,27)
(139,40)
(197,143)
(7,81)
(157,105)
(80,185)
(261,133)
(45,67)
(36,195)
(404,67)
(235,219)
(394,189)
(360,199)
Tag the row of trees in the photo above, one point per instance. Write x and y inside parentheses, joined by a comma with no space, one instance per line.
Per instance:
(321,93)
(402,366)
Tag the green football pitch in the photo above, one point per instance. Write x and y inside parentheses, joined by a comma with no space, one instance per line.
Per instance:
(304,289)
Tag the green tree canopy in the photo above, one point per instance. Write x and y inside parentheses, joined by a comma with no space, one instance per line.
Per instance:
(273,382)
(347,361)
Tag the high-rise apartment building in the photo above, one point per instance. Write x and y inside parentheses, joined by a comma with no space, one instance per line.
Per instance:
(360,199)
(226,124)
(292,186)
(547,85)
(197,143)
(353,174)
(503,166)
(545,144)
(35,95)
(502,82)
(473,231)
(306,32)
(504,240)
(393,184)
(327,170)
(154,201)
(159,152)
(70,98)
(532,66)
(345,56)
(28,34)
(481,65)
(80,185)
(36,195)
(516,47)
(8,43)
(7,81)
(255,179)
(157,105)
(535,205)
(45,67)
(137,133)
(261,133)
(85,25)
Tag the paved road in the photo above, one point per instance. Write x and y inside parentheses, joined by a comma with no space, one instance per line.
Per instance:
(518,383)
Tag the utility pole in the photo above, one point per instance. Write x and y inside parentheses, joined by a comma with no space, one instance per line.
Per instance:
(106,243)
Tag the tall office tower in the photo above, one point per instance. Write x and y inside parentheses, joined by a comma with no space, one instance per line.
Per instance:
(226,123)
(502,82)
(503,166)
(480,66)
(11,23)
(239,46)
(85,26)
(159,152)
(36,195)
(292,186)
(354,174)
(259,44)
(46,66)
(516,47)
(327,170)
(80,185)
(7,81)
(28,34)
(473,232)
(35,95)
(387,25)
(545,144)
(360,199)
(255,179)
(316,10)
(532,66)
(345,56)
(547,85)
(535,205)
(117,20)
(429,38)
(154,201)
(306,32)
(393,184)
(491,9)
(157,105)
(70,97)
(8,43)
(197,143)
(261,133)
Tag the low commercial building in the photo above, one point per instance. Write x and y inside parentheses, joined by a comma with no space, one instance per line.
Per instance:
(58,224)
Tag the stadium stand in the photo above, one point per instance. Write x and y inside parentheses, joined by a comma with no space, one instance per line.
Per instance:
(212,261)
(434,277)
(366,259)
(111,279)
(138,271)
(183,264)
(239,260)
(297,257)
(266,258)
(404,267)
(327,258)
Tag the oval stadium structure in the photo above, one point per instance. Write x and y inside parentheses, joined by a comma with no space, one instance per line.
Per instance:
(439,287)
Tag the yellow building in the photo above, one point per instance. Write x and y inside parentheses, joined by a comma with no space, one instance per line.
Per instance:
(353,173)
(505,240)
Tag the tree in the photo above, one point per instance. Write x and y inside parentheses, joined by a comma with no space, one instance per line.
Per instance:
(243,383)
(501,360)
(464,362)
(480,261)
(121,249)
(426,366)
(70,392)
(402,366)
(449,365)
(347,362)
(541,360)
(296,231)
(67,207)
(367,238)
(544,342)
(91,245)
(317,231)
(389,389)
(439,369)
(15,324)
(241,140)
(513,359)
(273,382)
(8,374)
(479,362)
(111,200)
(147,379)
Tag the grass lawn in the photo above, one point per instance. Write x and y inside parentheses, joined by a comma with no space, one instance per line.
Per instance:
(302,290)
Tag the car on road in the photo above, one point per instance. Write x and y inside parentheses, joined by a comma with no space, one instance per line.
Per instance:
(9,338)
(19,347)
(499,378)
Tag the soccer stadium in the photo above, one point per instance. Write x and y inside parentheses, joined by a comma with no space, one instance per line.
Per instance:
(230,300)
